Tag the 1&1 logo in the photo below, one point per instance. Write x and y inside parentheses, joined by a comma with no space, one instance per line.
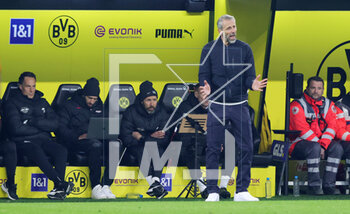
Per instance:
(22,31)
(63,31)
(80,181)
(39,182)
(166,181)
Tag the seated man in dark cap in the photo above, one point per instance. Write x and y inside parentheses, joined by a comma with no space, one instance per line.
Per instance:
(73,127)
(142,122)
(29,121)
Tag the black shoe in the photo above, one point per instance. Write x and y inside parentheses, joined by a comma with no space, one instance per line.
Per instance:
(157,190)
(56,194)
(150,190)
(315,190)
(10,190)
(61,191)
(331,191)
(205,194)
(224,193)
(67,187)
(160,192)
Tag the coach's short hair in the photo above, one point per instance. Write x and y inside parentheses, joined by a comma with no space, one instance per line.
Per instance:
(25,74)
(222,18)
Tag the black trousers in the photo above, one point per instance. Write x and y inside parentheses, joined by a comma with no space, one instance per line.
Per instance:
(137,151)
(97,154)
(310,151)
(8,150)
(346,148)
(239,117)
(188,155)
(39,150)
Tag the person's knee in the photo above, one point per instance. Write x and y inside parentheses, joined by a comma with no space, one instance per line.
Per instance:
(213,149)
(346,148)
(247,148)
(96,145)
(336,151)
(314,150)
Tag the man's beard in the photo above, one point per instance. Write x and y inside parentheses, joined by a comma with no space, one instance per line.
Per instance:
(227,36)
(151,110)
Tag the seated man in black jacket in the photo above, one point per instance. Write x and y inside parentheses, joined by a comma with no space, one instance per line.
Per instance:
(188,154)
(29,119)
(73,127)
(142,122)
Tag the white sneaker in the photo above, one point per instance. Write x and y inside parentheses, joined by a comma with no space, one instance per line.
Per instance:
(108,193)
(213,197)
(97,193)
(244,196)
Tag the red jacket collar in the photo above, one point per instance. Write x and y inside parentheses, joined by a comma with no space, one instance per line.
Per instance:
(311,101)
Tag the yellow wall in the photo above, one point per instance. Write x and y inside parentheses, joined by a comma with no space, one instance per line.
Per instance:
(253,20)
(88,56)
(304,38)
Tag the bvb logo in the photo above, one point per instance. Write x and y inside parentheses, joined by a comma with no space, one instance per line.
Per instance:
(80,181)
(124,102)
(63,31)
(176,101)
(334,67)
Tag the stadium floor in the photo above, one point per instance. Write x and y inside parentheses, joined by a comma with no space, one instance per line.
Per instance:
(284,204)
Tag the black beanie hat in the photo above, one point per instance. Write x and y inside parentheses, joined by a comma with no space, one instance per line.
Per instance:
(146,90)
(92,88)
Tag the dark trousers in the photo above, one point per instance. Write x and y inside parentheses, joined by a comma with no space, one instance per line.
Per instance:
(95,150)
(238,116)
(189,155)
(310,151)
(137,151)
(346,148)
(39,150)
(226,172)
(8,149)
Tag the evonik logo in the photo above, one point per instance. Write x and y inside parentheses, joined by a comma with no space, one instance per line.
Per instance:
(117,32)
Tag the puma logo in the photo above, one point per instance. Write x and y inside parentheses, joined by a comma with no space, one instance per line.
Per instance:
(186,31)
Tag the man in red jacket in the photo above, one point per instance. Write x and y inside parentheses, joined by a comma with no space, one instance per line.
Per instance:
(315,116)
(343,129)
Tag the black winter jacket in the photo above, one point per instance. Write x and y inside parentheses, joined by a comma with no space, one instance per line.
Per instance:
(29,119)
(74,117)
(218,74)
(136,118)
(188,104)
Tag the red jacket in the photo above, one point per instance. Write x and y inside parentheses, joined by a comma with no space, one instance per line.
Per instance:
(315,119)
(343,124)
